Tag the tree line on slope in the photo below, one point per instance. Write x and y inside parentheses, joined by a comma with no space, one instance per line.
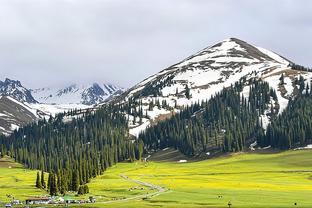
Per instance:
(293,127)
(230,122)
(227,122)
(74,151)
(299,67)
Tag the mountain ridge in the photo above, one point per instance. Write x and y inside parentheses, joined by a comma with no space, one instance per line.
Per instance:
(86,94)
(15,89)
(195,79)
(204,74)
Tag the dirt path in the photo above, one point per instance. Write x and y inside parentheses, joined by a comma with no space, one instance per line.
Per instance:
(160,190)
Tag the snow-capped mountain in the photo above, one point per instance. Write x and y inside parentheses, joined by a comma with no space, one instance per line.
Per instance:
(20,105)
(14,89)
(206,73)
(196,78)
(77,94)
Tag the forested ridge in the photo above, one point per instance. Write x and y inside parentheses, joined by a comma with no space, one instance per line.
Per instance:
(73,151)
(229,122)
(293,128)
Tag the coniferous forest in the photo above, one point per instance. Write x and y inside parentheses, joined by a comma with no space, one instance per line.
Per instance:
(73,152)
(229,122)
(293,127)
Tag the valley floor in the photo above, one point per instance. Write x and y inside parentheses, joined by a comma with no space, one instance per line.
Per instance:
(245,179)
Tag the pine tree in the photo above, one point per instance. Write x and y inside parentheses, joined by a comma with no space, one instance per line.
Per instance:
(49,181)
(2,151)
(53,185)
(282,82)
(38,182)
(75,180)
(43,184)
(187,92)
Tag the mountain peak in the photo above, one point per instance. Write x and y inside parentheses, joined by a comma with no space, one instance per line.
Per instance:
(16,90)
(201,76)
(234,39)
(86,94)
(8,81)
(232,51)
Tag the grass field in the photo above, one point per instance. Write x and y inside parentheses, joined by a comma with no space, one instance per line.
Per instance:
(16,181)
(245,179)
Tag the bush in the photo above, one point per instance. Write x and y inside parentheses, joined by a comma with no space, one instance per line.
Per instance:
(83,189)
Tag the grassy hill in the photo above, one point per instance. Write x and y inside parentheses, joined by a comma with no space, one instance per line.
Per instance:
(16,181)
(247,180)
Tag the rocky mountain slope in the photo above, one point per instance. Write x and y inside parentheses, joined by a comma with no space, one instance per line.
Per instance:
(14,89)
(206,73)
(14,114)
(90,94)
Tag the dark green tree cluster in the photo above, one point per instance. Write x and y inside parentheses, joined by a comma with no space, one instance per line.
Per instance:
(2,149)
(293,127)
(301,83)
(40,182)
(299,67)
(134,108)
(227,122)
(153,88)
(52,185)
(73,151)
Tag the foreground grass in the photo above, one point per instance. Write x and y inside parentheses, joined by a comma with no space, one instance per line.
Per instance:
(246,180)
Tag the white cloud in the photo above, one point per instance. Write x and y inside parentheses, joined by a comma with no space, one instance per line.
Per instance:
(123,41)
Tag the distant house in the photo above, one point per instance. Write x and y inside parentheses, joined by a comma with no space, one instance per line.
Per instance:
(8,206)
(71,201)
(16,202)
(92,199)
(38,200)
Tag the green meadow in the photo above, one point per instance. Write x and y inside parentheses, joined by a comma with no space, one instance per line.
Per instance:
(244,179)
(16,181)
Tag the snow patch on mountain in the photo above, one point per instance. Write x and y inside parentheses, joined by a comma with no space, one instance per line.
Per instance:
(274,56)
(288,86)
(274,82)
(54,109)
(90,94)
(135,131)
